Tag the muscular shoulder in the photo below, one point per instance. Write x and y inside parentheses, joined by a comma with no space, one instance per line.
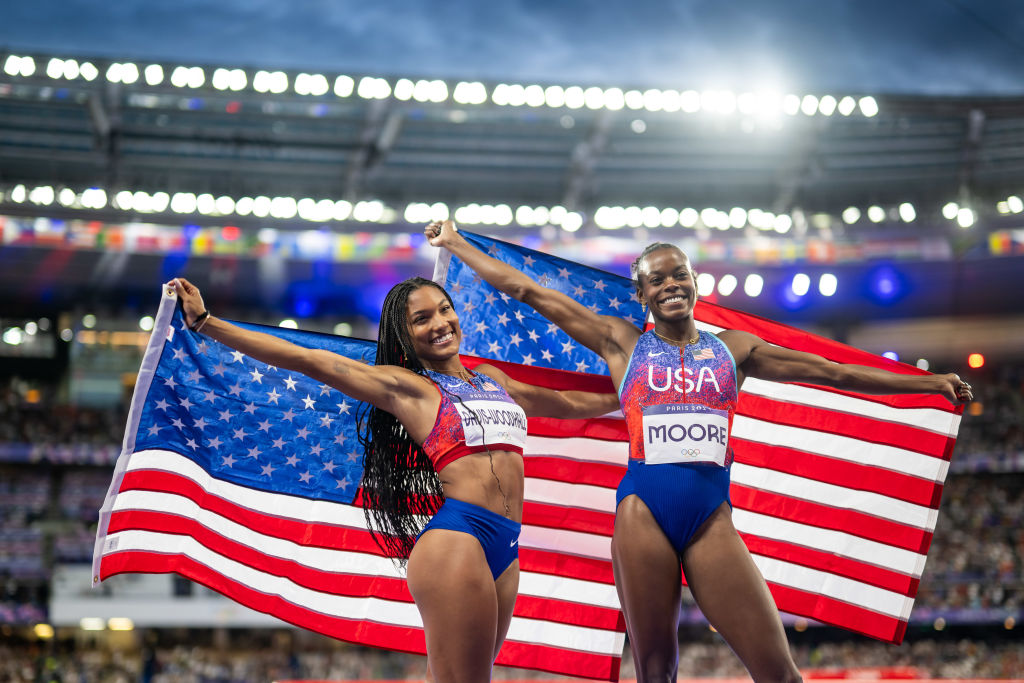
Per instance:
(740,343)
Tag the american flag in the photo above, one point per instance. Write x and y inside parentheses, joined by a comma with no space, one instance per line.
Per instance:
(835,494)
(245,477)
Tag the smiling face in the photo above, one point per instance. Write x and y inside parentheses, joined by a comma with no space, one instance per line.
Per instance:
(433,324)
(667,284)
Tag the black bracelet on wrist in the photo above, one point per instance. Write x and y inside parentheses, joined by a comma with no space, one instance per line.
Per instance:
(198,322)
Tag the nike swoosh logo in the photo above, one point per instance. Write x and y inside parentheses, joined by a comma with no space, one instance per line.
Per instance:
(513,544)
(651,354)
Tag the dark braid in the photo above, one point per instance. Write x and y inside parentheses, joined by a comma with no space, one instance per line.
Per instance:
(400,486)
(634,268)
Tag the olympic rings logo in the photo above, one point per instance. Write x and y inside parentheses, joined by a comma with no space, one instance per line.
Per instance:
(690,452)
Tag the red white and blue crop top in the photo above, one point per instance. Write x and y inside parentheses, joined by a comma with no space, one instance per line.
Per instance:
(472,418)
(679,402)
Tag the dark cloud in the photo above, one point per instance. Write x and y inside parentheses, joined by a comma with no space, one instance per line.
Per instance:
(914,46)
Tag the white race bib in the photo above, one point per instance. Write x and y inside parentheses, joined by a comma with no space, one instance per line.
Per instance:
(502,422)
(685,433)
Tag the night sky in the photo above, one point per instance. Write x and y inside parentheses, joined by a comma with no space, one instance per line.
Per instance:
(955,47)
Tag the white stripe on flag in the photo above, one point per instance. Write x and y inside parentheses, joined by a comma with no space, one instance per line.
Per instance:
(579,449)
(840,447)
(538,631)
(930,419)
(827,540)
(570,495)
(867,502)
(566,542)
(835,587)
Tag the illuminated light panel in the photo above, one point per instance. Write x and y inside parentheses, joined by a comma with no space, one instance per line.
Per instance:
(975,361)
(828,283)
(753,285)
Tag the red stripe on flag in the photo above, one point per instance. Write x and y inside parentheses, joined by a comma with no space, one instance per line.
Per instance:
(320,535)
(850,475)
(838,613)
(603,428)
(324,581)
(568,518)
(563,564)
(834,564)
(573,471)
(364,632)
(560,661)
(826,517)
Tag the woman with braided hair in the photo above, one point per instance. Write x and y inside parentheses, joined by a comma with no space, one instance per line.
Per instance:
(673,512)
(436,431)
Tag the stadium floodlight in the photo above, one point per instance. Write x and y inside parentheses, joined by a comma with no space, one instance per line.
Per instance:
(965,217)
(89,321)
(404,89)
(179,77)
(439,211)
(129,73)
(709,217)
(791,104)
(593,97)
(554,96)
(614,99)
(69,70)
(851,215)
(801,284)
(154,74)
(88,71)
(907,212)
(868,106)
(891,355)
(260,206)
(634,99)
(653,100)
(688,217)
(726,102)
(94,198)
(221,79)
(516,95)
(67,197)
(225,205)
(828,283)
(183,202)
(651,216)
(470,92)
(534,95)
(146,323)
(283,207)
(27,67)
(809,105)
(746,103)
(159,202)
(42,195)
(206,204)
(574,97)
(923,363)
(638,126)
(737,217)
(499,95)
(634,216)
(827,105)
(847,105)
(705,284)
(541,215)
(572,222)
(12,65)
(949,210)
(503,214)
(727,285)
(669,217)
(342,210)
(18,194)
(344,86)
(524,215)
(689,101)
(1015,204)
(605,218)
(55,68)
(876,214)
(782,223)
(670,101)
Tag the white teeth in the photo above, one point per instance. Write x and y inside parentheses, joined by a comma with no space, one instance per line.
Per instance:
(672,300)
(444,339)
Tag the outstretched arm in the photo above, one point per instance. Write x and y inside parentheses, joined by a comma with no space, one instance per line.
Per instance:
(390,388)
(543,402)
(757,358)
(609,337)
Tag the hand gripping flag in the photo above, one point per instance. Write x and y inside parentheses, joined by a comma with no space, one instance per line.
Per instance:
(835,494)
(245,477)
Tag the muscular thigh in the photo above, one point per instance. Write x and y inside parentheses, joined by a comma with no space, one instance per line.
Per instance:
(732,594)
(458,602)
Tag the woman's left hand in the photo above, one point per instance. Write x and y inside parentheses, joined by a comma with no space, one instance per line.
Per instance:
(956,390)
(191,299)
(440,233)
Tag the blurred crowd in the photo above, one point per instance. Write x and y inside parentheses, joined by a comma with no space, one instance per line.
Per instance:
(50,494)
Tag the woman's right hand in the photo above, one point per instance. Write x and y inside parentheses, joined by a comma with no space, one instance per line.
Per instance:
(441,233)
(191,300)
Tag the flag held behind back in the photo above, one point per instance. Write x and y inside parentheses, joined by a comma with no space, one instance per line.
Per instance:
(835,494)
(244,477)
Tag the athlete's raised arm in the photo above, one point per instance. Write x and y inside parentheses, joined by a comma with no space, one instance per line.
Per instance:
(609,337)
(394,389)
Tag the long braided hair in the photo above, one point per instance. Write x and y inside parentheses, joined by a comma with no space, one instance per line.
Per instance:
(400,486)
